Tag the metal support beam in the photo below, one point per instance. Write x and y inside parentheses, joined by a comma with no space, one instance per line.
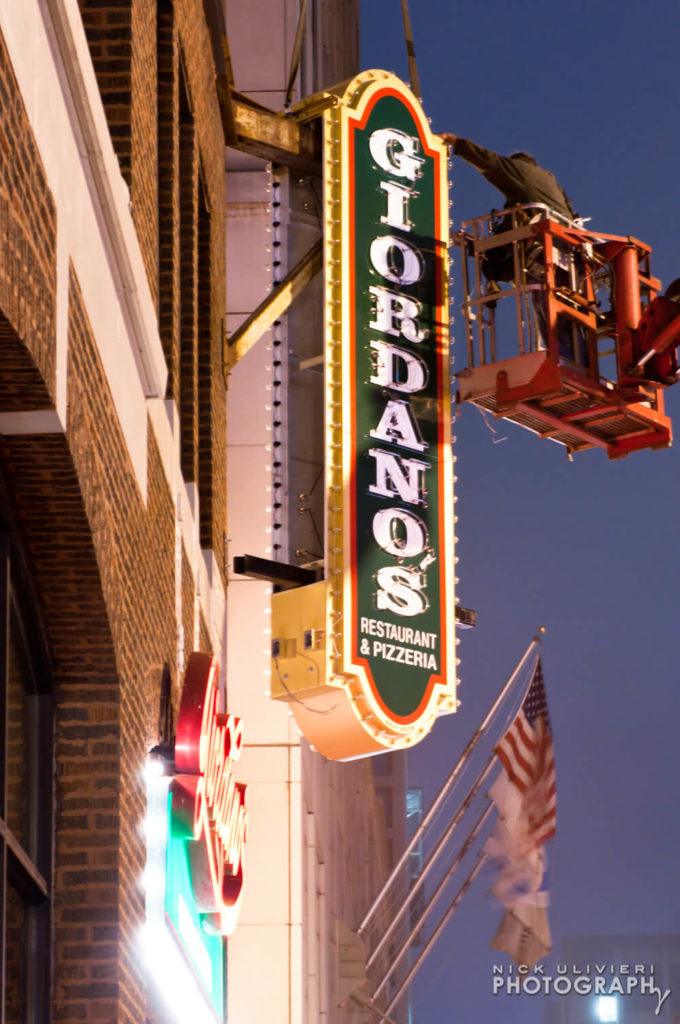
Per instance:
(219,41)
(410,50)
(225,89)
(466,617)
(274,306)
(282,138)
(281,574)
(263,133)
(297,52)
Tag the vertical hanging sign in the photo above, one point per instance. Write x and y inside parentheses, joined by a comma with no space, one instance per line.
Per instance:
(389,480)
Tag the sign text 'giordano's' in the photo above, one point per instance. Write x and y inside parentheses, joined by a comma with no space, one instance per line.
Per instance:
(389,565)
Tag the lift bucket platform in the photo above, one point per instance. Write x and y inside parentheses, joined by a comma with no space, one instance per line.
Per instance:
(534,392)
(535,342)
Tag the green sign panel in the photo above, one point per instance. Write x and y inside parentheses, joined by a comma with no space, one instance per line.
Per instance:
(400,378)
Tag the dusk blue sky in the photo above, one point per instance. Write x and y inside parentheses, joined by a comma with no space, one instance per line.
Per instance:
(590,548)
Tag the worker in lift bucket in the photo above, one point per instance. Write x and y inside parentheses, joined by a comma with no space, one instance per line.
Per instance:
(523,181)
(519,176)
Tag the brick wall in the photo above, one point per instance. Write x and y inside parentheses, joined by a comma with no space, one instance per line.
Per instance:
(144,132)
(200,76)
(153,60)
(188,280)
(108,27)
(102,558)
(50,514)
(103,566)
(136,563)
(121,35)
(27,257)
(208,355)
(168,190)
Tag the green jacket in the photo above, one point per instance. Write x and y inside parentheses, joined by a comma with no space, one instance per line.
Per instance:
(520,180)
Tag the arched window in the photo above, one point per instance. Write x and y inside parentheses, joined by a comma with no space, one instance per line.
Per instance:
(26,801)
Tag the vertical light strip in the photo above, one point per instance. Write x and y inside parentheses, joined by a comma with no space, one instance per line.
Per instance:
(279,408)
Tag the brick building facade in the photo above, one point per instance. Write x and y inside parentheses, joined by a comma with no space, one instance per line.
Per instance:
(113,497)
(113,448)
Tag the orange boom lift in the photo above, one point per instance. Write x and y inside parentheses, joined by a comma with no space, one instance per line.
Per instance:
(566,332)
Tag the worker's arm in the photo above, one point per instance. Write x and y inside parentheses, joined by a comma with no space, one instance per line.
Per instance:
(500,171)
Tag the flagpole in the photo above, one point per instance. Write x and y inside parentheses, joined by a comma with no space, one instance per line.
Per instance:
(453,867)
(453,906)
(448,784)
(434,856)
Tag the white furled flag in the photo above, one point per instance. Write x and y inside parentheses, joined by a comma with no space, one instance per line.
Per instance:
(525,796)
(525,935)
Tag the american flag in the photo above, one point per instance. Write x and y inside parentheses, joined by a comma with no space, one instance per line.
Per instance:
(526,753)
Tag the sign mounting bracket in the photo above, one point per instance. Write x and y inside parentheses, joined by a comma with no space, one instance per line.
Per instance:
(277,137)
(274,306)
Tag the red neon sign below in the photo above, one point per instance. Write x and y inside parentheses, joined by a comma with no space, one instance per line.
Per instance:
(208,805)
